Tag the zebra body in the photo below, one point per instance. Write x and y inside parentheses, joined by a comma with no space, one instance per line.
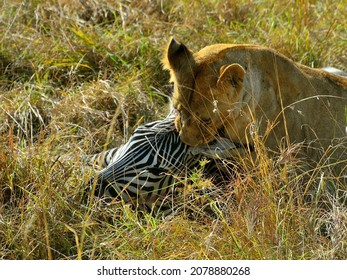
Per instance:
(101,160)
(145,169)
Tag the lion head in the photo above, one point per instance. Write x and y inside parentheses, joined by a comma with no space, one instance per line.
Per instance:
(206,91)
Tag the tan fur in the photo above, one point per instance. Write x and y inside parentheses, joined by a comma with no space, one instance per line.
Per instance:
(245,89)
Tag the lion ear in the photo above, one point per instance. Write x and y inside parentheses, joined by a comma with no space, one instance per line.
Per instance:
(177,56)
(231,74)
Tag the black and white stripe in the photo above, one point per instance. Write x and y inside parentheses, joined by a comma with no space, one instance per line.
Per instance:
(101,160)
(145,169)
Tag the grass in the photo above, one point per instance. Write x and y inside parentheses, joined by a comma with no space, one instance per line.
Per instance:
(76,77)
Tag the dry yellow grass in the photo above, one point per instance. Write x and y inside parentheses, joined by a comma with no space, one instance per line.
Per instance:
(65,68)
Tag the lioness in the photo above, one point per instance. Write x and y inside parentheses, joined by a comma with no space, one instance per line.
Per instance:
(248,90)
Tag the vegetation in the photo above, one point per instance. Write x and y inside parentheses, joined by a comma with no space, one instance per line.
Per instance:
(79,76)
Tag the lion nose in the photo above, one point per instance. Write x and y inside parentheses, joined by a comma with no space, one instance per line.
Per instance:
(188,139)
(183,137)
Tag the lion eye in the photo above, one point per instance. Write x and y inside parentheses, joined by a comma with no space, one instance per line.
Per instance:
(206,121)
